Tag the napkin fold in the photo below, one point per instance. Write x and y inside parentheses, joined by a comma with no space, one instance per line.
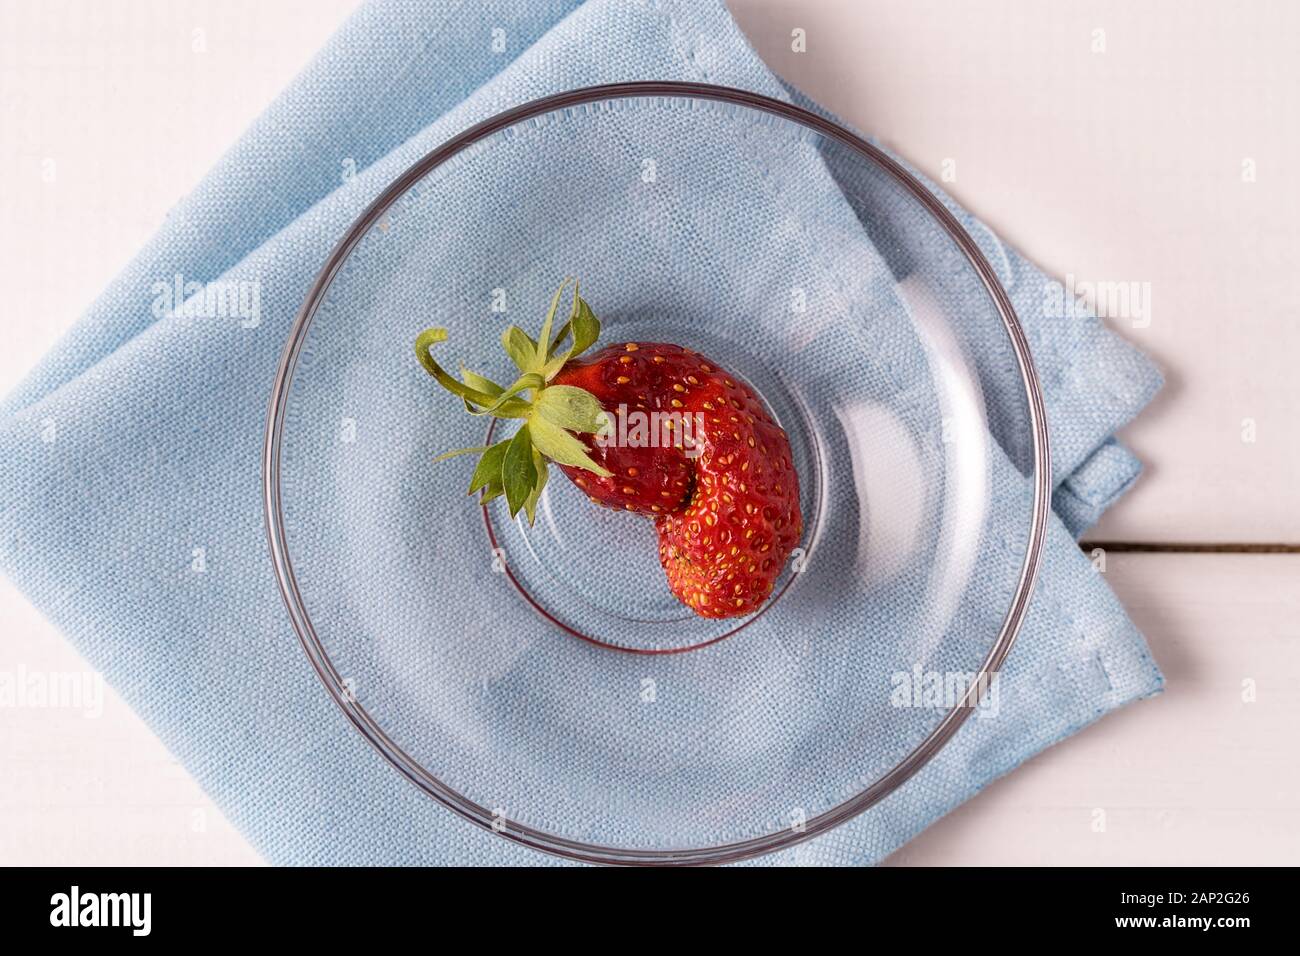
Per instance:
(130,509)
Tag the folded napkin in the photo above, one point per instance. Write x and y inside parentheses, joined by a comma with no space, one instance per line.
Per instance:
(129,459)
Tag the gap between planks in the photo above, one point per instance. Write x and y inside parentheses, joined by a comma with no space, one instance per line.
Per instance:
(1189,548)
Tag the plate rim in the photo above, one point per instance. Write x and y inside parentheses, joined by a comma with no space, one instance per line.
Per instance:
(482,816)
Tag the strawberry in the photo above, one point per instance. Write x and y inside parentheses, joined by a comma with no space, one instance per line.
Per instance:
(650,428)
(648,477)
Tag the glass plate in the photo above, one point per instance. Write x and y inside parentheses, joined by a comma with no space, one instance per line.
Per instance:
(543,682)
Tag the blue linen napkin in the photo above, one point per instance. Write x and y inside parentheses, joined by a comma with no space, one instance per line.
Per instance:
(134,444)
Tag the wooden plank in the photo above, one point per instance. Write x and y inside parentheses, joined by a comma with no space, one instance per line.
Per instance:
(85,781)
(1199,775)
(112,112)
(1132,163)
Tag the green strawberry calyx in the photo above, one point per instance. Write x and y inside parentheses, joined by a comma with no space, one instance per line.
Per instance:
(553,415)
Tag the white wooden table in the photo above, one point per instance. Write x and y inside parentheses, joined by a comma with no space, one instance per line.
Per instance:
(1149,143)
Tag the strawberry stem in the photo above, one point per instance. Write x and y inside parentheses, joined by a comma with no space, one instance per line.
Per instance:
(554,417)
(431,337)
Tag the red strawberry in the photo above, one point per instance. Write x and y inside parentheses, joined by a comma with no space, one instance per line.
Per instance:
(727,514)
(679,439)
(648,474)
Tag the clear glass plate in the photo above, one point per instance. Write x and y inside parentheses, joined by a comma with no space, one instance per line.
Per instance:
(542,681)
